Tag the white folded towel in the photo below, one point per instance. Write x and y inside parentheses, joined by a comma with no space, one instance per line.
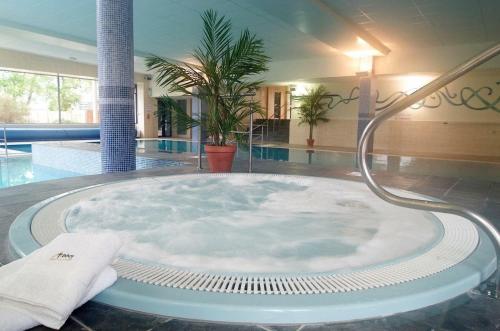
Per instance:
(14,320)
(49,283)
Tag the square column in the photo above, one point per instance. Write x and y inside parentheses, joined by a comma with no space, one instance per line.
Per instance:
(366,108)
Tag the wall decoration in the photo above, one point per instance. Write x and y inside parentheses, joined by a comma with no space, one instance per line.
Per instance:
(482,98)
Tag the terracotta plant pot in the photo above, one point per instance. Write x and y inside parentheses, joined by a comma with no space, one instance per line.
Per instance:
(310,142)
(220,158)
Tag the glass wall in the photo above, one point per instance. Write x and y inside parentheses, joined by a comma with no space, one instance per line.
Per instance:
(78,100)
(48,99)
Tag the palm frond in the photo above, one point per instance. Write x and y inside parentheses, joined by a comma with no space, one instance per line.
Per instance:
(174,77)
(221,79)
(312,108)
(179,116)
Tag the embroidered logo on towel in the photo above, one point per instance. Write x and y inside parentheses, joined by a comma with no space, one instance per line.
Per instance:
(62,257)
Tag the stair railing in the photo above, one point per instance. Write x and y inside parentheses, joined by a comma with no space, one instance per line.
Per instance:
(443,207)
(4,140)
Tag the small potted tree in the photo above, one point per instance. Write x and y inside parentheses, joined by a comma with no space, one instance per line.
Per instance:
(312,110)
(222,79)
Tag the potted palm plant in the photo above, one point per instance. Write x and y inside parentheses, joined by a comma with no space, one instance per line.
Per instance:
(312,110)
(222,79)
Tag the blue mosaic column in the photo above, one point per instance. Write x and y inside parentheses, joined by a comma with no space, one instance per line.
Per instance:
(115,55)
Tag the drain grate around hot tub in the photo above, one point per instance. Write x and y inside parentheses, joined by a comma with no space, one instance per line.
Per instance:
(460,239)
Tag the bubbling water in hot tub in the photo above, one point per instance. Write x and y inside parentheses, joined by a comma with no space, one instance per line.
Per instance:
(260,223)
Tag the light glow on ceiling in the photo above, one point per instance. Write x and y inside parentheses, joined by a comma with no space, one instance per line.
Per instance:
(356,54)
(363,50)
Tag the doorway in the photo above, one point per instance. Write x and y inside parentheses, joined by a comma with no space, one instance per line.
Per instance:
(164,120)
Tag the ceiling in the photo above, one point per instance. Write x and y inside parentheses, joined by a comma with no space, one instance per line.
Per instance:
(169,28)
(425,23)
(291,29)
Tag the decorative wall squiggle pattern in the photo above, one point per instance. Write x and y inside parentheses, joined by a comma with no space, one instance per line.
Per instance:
(482,98)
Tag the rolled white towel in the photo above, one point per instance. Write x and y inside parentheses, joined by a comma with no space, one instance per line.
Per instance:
(54,279)
(14,320)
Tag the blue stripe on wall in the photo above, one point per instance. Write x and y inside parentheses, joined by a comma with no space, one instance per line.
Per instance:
(43,134)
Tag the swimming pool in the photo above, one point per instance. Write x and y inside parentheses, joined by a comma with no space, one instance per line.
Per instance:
(343,160)
(21,170)
(29,163)
(25,148)
(267,248)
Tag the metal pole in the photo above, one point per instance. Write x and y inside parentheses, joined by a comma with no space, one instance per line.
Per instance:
(261,136)
(59,97)
(199,141)
(5,142)
(250,141)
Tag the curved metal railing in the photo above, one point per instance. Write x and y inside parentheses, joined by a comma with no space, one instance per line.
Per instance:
(443,207)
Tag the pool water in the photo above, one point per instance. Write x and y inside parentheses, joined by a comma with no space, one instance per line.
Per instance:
(21,170)
(343,160)
(25,148)
(261,223)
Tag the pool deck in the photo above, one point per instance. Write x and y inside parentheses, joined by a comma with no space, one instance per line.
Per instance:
(472,311)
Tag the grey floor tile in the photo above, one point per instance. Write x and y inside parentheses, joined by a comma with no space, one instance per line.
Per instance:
(473,189)
(382,324)
(437,182)
(478,313)
(494,193)
(491,209)
(429,191)
(281,327)
(467,201)
(183,325)
(102,317)
(70,325)
(4,213)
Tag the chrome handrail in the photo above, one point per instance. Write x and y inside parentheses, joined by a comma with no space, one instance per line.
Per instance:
(5,141)
(443,207)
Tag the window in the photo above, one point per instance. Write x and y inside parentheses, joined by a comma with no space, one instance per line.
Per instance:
(28,98)
(43,98)
(78,100)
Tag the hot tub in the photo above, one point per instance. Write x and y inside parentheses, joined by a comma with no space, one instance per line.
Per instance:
(266,248)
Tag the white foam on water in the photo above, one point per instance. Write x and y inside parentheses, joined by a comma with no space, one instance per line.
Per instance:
(254,223)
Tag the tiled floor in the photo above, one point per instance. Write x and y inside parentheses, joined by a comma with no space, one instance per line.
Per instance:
(472,311)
